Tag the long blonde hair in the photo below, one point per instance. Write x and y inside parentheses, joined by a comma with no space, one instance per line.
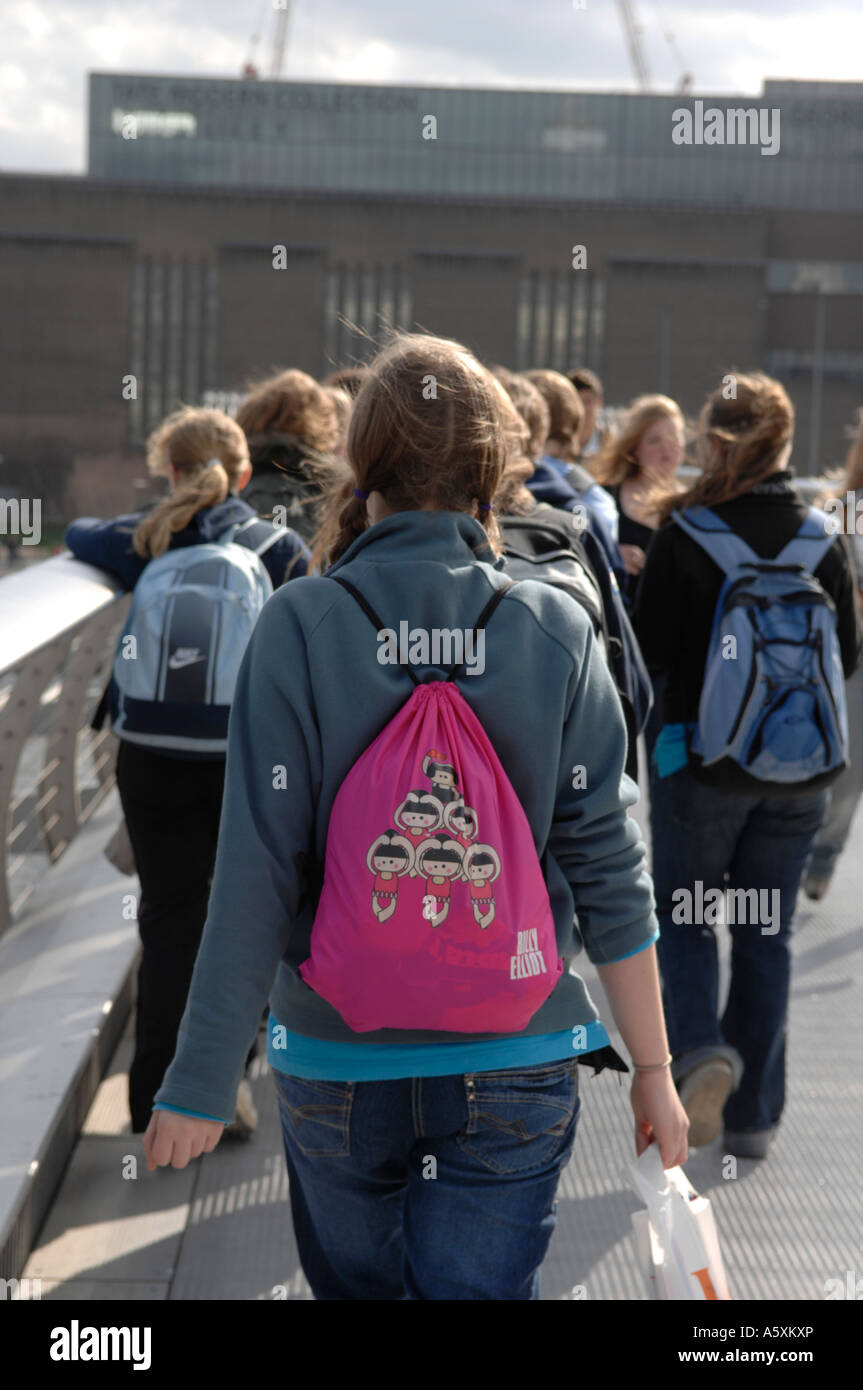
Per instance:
(739,441)
(617,460)
(430,428)
(209,451)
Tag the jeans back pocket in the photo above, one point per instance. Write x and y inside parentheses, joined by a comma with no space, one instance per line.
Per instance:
(523,1118)
(316,1115)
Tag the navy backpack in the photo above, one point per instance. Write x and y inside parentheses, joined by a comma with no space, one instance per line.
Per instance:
(773,698)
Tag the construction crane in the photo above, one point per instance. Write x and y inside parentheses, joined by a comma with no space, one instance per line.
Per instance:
(634,32)
(632,29)
(283,14)
(282,11)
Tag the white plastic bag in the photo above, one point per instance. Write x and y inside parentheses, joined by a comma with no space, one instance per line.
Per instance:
(677,1241)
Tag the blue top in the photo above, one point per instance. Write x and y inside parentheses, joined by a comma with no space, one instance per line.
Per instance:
(327,1061)
(550,485)
(108,544)
(596,496)
(546,701)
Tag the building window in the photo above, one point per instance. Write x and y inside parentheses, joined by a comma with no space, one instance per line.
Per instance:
(560,320)
(786,362)
(362,304)
(173,337)
(806,277)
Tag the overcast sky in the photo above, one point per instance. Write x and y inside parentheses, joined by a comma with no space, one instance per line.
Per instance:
(47,47)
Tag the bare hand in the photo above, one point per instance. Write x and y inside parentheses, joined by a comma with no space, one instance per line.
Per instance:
(174,1139)
(659,1116)
(633,558)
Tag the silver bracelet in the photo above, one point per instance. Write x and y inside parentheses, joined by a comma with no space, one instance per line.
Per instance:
(656,1066)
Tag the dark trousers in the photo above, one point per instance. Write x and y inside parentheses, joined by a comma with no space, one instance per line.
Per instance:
(172,809)
(704,839)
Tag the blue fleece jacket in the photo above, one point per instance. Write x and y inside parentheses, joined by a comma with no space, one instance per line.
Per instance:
(108,544)
(310,698)
(548,485)
(600,501)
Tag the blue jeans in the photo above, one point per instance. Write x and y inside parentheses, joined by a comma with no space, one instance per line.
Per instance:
(437,1187)
(730,840)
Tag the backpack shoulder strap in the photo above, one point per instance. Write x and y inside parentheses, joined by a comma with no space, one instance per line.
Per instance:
(715,537)
(377,623)
(811,543)
(483,620)
(253,534)
(496,598)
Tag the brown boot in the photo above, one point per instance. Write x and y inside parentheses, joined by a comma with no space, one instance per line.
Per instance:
(703,1093)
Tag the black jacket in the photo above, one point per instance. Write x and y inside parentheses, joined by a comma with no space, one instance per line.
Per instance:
(680,586)
(287,473)
(108,544)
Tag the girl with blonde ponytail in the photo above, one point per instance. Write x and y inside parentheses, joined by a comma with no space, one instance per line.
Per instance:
(172,800)
(719,825)
(205,456)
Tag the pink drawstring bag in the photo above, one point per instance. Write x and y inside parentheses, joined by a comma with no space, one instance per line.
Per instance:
(434,913)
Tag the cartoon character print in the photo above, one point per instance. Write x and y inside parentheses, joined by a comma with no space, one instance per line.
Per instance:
(444,778)
(389,858)
(481,868)
(439,860)
(461,822)
(419,816)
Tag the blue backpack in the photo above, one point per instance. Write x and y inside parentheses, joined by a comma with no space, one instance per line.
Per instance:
(192,613)
(773,698)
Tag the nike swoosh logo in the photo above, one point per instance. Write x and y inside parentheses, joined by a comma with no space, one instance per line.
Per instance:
(176,663)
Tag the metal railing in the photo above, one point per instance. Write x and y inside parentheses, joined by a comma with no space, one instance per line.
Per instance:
(59,622)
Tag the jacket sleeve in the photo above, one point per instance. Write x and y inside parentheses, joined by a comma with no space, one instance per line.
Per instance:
(107,544)
(593,839)
(266,838)
(657,611)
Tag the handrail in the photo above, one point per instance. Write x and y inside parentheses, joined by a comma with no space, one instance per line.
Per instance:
(59,622)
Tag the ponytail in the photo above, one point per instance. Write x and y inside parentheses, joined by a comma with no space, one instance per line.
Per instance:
(343,520)
(206,488)
(209,451)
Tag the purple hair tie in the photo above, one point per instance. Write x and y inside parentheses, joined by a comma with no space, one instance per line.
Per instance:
(484,506)
(363,496)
